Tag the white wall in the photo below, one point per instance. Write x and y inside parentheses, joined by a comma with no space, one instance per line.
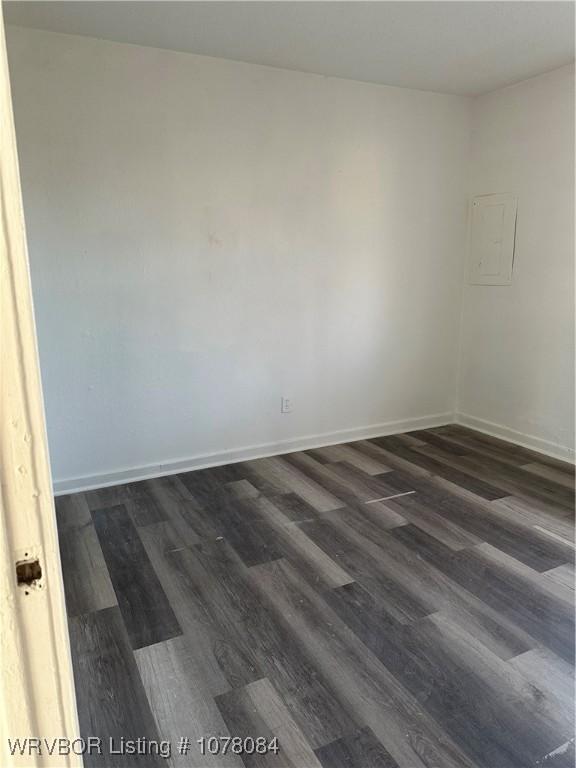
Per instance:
(207,236)
(517,367)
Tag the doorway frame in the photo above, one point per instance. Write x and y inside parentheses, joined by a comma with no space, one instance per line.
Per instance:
(37,697)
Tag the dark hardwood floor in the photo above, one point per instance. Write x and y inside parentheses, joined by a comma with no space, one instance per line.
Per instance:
(401,602)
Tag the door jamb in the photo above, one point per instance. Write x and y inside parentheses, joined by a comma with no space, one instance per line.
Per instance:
(37,697)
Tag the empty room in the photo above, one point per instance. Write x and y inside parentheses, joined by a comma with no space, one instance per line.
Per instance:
(287,404)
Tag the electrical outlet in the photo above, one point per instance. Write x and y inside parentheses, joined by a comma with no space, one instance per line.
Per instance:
(286,405)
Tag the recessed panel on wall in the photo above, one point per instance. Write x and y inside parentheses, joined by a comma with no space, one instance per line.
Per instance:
(492,232)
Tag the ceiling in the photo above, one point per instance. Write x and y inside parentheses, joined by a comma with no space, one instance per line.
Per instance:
(452,47)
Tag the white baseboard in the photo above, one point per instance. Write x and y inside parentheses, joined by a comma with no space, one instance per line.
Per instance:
(556,451)
(118,477)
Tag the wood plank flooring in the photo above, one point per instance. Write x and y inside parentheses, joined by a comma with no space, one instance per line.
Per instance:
(401,602)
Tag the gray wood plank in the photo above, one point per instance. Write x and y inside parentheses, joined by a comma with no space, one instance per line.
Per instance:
(114,495)
(346,453)
(359,678)
(391,459)
(434,629)
(548,673)
(250,643)
(72,511)
(111,700)
(368,567)
(174,679)
(361,748)
(551,473)
(497,448)
(348,491)
(437,593)
(512,480)
(536,515)
(294,507)
(232,517)
(445,465)
(257,711)
(148,616)
(426,511)
(562,575)
(295,544)
(517,593)
(86,580)
(160,541)
(287,478)
(487,524)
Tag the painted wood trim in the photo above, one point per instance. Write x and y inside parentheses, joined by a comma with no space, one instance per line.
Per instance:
(36,679)
(246,453)
(555,450)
